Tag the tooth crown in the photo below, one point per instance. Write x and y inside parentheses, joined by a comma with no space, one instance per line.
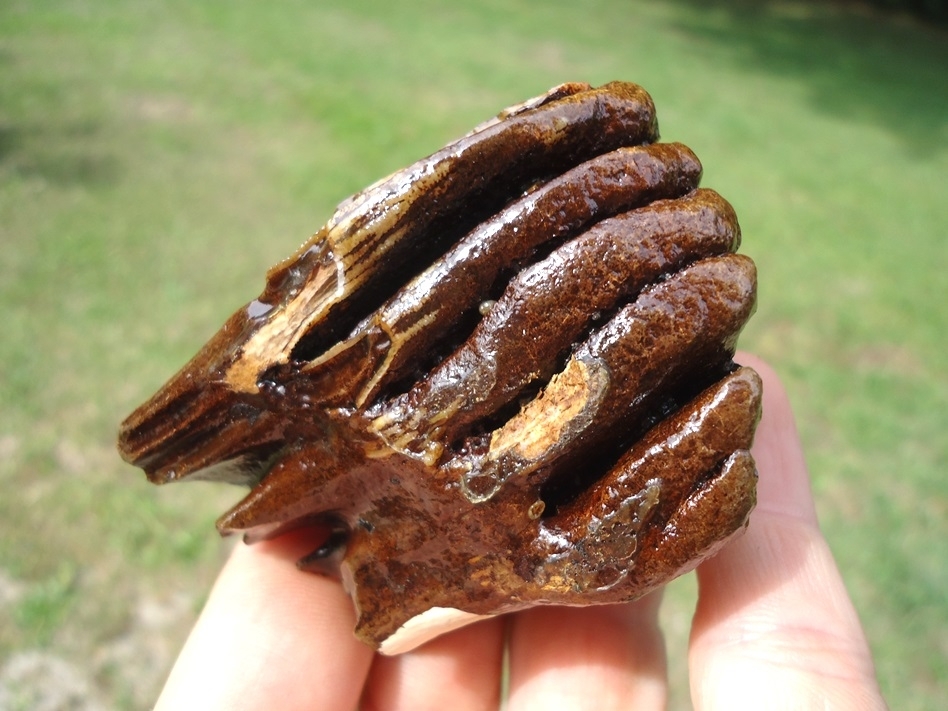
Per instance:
(503,375)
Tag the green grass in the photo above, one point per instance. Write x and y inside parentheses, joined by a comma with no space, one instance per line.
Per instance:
(156,157)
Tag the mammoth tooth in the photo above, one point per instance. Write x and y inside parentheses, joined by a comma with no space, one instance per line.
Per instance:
(500,377)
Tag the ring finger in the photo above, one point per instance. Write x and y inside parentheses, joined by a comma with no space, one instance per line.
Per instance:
(603,657)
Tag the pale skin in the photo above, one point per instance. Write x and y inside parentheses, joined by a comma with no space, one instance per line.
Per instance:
(774,629)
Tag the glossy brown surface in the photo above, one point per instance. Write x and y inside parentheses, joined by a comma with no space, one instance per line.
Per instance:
(503,375)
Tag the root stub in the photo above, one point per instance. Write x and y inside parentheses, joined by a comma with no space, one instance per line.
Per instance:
(501,377)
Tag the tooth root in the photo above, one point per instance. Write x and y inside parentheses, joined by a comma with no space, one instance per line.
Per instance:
(252,513)
(291,493)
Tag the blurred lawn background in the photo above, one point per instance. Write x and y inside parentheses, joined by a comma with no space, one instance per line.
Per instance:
(157,156)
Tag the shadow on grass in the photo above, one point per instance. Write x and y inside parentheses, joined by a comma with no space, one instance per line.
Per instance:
(59,154)
(857,64)
(53,145)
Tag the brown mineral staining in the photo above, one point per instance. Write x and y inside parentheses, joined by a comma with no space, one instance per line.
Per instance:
(502,376)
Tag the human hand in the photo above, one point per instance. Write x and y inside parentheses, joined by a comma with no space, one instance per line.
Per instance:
(774,628)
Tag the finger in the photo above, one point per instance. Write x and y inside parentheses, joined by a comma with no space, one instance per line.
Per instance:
(604,657)
(774,627)
(458,671)
(270,637)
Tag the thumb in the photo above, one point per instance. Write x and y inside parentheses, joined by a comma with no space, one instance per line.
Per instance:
(774,626)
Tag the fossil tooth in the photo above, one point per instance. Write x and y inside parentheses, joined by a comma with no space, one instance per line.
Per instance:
(500,377)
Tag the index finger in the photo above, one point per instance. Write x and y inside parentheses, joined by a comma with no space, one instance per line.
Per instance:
(270,637)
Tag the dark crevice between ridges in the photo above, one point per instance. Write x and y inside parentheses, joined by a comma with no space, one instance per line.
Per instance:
(175,431)
(326,558)
(448,342)
(403,265)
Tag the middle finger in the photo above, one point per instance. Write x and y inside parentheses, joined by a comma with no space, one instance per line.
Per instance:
(603,657)
(458,671)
